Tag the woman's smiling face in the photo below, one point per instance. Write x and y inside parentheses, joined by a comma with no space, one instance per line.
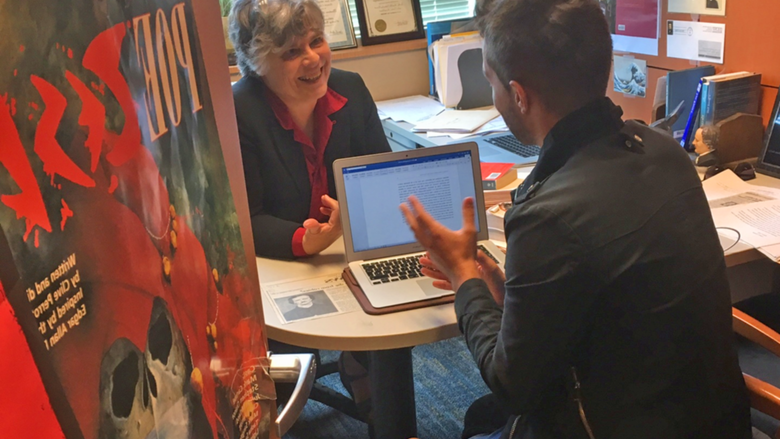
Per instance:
(300,73)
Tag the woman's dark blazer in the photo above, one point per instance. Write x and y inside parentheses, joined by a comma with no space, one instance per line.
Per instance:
(277,180)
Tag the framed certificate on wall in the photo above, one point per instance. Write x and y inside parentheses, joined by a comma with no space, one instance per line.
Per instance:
(338,24)
(387,21)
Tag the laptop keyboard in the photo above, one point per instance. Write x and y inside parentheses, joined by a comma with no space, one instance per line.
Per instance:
(511,144)
(485,251)
(401,268)
(393,270)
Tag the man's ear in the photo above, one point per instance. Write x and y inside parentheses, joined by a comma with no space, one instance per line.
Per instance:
(519,96)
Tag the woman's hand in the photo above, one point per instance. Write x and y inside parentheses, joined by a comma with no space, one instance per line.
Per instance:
(320,236)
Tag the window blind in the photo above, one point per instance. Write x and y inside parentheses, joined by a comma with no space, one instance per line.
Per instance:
(432,10)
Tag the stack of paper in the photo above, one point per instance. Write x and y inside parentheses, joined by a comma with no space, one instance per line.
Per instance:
(412,109)
(457,121)
(444,54)
(748,211)
(496,125)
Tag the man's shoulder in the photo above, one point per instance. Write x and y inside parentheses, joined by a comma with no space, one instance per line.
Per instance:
(616,184)
(619,156)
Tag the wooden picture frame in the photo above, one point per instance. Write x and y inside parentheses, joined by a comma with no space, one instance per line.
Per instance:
(338,24)
(388,21)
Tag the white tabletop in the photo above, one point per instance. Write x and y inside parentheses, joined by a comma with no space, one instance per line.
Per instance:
(355,331)
(362,332)
(741,253)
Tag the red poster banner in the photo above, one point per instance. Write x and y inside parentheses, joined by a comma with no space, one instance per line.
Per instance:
(132,312)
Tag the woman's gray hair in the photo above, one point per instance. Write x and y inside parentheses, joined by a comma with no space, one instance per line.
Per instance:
(259,27)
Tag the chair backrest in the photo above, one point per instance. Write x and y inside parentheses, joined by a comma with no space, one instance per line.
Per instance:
(764,397)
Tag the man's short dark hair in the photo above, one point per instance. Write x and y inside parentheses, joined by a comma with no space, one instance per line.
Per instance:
(560,49)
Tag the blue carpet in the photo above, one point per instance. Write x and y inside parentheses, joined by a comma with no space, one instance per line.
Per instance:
(446,382)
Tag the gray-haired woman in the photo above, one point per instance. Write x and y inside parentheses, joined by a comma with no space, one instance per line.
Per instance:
(296,115)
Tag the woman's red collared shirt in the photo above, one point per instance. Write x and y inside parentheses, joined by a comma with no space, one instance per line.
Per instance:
(313,151)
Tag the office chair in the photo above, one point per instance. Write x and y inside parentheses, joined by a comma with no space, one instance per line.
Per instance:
(325,395)
(299,369)
(319,392)
(764,397)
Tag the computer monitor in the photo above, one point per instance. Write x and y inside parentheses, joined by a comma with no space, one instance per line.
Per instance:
(769,158)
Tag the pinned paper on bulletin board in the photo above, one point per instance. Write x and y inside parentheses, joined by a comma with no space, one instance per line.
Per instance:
(703,7)
(695,41)
(634,24)
(630,76)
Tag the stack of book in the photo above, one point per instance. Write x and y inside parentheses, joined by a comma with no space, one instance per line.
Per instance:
(497,175)
(720,96)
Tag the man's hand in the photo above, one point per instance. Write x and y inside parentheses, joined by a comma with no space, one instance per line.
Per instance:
(488,270)
(453,253)
(493,276)
(320,236)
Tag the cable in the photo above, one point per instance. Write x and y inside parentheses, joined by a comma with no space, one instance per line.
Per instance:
(739,236)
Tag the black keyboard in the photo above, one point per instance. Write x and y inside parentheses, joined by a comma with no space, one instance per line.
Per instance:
(485,251)
(401,268)
(511,144)
(393,270)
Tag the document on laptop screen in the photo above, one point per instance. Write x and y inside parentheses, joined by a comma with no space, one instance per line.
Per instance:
(375,191)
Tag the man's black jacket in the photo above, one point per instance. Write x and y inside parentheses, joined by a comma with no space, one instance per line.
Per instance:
(616,284)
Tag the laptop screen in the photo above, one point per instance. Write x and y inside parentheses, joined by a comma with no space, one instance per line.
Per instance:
(772,154)
(375,191)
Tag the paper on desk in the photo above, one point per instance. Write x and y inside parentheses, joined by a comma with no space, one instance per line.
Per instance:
(771,251)
(758,223)
(726,189)
(496,125)
(457,121)
(412,109)
(310,298)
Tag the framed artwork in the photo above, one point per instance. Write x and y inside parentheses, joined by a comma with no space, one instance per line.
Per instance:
(388,21)
(338,24)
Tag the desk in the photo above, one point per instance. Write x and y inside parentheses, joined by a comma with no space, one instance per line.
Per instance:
(750,272)
(389,338)
(401,137)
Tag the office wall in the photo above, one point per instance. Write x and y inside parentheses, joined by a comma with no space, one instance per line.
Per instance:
(752,43)
(391,75)
(388,73)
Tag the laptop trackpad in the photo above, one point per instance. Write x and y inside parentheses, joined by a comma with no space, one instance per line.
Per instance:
(427,287)
(488,151)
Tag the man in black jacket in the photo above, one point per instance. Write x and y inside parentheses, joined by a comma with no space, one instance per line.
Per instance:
(614,317)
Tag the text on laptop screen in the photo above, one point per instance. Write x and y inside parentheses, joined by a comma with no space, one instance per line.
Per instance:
(374,192)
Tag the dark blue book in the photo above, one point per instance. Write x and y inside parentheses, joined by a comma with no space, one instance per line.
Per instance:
(681,87)
(690,126)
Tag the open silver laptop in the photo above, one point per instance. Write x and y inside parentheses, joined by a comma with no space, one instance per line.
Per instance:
(380,248)
(505,148)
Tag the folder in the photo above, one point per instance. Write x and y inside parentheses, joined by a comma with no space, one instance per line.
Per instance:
(436,30)
(459,80)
